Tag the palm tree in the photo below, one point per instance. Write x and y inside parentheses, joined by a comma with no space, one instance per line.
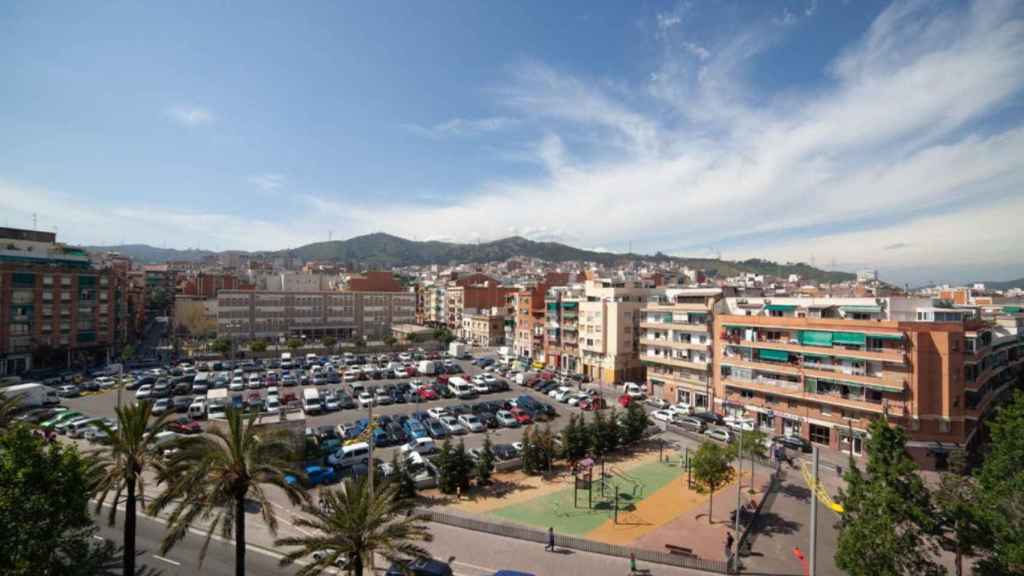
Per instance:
(210,476)
(119,468)
(353,525)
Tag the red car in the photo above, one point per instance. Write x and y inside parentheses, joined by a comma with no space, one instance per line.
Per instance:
(593,403)
(427,393)
(443,379)
(185,425)
(410,370)
(521,416)
(624,400)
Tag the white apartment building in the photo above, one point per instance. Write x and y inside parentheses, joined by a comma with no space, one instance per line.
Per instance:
(609,329)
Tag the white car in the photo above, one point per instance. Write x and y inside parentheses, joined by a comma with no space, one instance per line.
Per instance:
(490,378)
(471,423)
(506,419)
(659,403)
(574,399)
(680,408)
(421,445)
(663,415)
(237,384)
(273,405)
(162,405)
(105,382)
(563,394)
(720,434)
(437,412)
(350,376)
(255,383)
(480,386)
(382,398)
(451,425)
(365,399)
(144,392)
(739,424)
(400,372)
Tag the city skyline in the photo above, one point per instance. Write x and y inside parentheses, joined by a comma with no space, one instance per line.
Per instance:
(790,131)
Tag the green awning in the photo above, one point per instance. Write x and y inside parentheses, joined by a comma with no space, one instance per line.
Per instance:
(884,387)
(862,309)
(733,326)
(774,355)
(818,356)
(848,338)
(1012,309)
(854,387)
(812,338)
(780,307)
(886,336)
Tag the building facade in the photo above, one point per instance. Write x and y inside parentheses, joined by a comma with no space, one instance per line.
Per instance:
(609,330)
(343,314)
(472,299)
(823,368)
(483,328)
(676,345)
(561,328)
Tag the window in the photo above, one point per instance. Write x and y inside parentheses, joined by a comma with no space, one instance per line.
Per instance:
(746,394)
(955,344)
(826,410)
(820,434)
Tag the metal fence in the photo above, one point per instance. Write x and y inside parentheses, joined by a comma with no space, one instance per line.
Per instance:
(540,536)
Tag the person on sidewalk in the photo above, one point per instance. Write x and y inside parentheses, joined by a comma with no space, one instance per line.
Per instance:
(729,541)
(551,540)
(632,563)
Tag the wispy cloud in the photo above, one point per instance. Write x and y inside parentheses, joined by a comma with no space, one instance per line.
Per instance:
(268,181)
(460,127)
(190,115)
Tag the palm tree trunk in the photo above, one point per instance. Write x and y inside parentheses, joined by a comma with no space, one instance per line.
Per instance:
(129,530)
(357,565)
(240,536)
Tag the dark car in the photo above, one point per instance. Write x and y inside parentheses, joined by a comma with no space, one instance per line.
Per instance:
(420,567)
(397,396)
(709,418)
(505,451)
(345,401)
(421,416)
(397,434)
(181,403)
(793,443)
(498,386)
(161,389)
(489,419)
(182,388)
(435,429)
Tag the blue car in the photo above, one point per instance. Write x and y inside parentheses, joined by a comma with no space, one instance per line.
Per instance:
(380,437)
(315,476)
(414,429)
(511,573)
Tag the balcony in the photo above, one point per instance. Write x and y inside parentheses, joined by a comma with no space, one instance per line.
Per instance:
(675,344)
(669,361)
(795,390)
(673,325)
(894,356)
(677,308)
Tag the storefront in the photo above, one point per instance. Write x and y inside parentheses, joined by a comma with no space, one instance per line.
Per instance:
(848,446)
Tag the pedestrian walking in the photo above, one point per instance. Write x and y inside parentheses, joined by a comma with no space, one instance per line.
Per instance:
(551,540)
(632,563)
(729,541)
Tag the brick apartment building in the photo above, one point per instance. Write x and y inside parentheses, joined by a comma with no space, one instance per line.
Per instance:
(823,368)
(561,328)
(56,309)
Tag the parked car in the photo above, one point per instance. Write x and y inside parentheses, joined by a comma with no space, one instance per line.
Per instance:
(144,392)
(365,399)
(793,442)
(435,429)
(662,415)
(593,403)
(423,446)
(420,567)
(720,434)
(161,406)
(452,425)
(690,423)
(506,419)
(659,403)
(437,411)
(185,425)
(472,423)
(521,416)
(315,476)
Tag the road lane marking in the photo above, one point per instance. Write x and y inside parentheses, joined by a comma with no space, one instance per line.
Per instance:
(168,560)
(98,537)
(474,566)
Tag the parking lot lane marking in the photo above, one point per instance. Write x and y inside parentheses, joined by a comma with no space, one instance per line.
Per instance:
(98,537)
(168,560)
(475,567)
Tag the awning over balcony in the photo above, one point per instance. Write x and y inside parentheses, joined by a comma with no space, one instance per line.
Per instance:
(886,336)
(812,338)
(849,338)
(773,355)
(1012,309)
(884,387)
(862,309)
(780,307)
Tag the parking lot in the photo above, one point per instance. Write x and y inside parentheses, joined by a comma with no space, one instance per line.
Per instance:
(102,404)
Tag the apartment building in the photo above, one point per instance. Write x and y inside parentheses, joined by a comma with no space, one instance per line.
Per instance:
(341,314)
(527,327)
(484,327)
(561,328)
(206,285)
(823,368)
(473,299)
(609,329)
(56,309)
(677,345)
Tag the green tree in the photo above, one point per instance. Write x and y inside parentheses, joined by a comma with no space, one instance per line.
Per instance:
(390,342)
(958,500)
(635,424)
(444,336)
(412,338)
(597,431)
(211,475)
(711,470)
(359,343)
(45,526)
(575,442)
(294,344)
(128,352)
(753,447)
(258,346)
(221,346)
(329,342)
(888,519)
(529,455)
(544,445)
(612,432)
(485,465)
(1001,486)
(405,482)
(131,450)
(445,468)
(9,407)
(353,525)
(462,467)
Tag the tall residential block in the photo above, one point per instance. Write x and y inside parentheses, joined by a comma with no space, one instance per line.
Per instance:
(609,330)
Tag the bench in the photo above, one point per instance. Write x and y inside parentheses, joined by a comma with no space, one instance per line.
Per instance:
(680,550)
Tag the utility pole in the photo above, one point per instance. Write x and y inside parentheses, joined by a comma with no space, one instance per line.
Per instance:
(369,424)
(814,515)
(739,482)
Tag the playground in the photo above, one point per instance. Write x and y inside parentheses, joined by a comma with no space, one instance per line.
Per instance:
(642,501)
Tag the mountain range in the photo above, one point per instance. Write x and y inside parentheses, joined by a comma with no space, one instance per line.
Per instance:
(381,250)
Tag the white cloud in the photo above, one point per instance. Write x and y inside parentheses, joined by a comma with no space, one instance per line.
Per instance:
(190,115)
(460,127)
(268,181)
(697,50)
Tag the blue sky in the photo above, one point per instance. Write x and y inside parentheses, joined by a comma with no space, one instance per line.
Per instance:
(864,134)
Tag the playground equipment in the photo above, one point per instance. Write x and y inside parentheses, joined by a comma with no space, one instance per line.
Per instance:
(818,489)
(637,487)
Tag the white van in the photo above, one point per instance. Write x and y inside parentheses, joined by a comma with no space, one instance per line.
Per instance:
(426,368)
(311,401)
(460,388)
(358,453)
(197,409)
(633,389)
(216,403)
